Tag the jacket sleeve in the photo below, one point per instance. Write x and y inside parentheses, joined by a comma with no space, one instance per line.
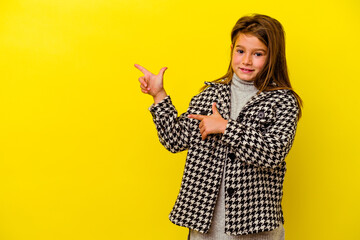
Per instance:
(265,149)
(173,131)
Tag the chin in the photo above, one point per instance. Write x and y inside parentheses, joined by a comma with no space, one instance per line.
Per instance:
(247,78)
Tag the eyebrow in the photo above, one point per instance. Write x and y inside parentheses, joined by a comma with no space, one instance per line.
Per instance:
(255,49)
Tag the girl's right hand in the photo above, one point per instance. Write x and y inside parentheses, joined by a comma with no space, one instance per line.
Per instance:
(152,84)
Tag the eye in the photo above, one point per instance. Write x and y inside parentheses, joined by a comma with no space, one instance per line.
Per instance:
(259,54)
(240,51)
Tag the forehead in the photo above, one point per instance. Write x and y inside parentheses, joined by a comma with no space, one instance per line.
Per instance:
(249,41)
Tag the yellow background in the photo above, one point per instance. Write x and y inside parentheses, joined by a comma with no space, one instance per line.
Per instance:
(79,155)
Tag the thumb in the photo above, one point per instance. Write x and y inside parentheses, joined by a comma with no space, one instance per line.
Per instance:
(214,109)
(162,71)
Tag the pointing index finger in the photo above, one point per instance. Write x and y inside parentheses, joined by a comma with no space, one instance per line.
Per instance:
(195,116)
(141,68)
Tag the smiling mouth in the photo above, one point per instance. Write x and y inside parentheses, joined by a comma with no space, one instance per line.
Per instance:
(245,70)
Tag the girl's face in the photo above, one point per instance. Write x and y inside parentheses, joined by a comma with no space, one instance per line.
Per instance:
(248,56)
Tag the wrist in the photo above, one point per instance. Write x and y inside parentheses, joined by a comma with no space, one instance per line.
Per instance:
(224,126)
(159,97)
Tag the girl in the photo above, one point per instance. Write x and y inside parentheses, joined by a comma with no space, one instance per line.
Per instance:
(238,131)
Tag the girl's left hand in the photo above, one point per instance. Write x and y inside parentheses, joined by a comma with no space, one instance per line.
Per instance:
(210,124)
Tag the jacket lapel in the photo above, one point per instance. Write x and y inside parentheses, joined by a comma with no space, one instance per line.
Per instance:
(255,99)
(223,98)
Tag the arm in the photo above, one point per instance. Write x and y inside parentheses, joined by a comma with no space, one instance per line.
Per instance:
(173,131)
(265,149)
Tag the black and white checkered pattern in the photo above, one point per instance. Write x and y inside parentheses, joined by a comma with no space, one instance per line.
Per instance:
(254,148)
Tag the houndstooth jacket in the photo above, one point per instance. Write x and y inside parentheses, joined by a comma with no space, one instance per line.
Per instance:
(253,146)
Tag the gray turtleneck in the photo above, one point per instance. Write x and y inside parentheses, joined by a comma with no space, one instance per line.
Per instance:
(241,92)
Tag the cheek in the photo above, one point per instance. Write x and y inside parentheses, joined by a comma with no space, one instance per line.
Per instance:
(261,63)
(235,60)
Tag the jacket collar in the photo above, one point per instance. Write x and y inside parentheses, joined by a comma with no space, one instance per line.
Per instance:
(224,98)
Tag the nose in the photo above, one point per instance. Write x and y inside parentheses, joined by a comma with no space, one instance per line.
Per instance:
(247,59)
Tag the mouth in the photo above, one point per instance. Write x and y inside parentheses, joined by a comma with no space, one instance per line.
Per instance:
(247,70)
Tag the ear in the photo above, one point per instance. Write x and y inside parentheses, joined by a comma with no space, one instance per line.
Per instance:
(231,47)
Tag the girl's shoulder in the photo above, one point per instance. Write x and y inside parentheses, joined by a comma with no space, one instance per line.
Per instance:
(282,97)
(282,94)
(212,88)
(216,86)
